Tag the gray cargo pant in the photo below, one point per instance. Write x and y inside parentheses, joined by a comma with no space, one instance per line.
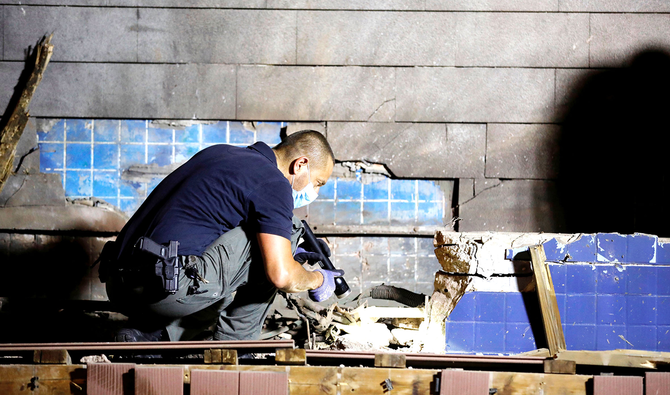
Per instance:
(237,296)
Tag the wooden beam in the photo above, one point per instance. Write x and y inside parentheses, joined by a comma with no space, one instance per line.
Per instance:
(390,360)
(291,356)
(620,358)
(548,304)
(560,366)
(18,116)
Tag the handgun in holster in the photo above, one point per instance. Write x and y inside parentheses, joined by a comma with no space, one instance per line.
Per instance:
(167,265)
(341,287)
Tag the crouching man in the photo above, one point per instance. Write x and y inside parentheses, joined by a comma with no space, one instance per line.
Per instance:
(215,241)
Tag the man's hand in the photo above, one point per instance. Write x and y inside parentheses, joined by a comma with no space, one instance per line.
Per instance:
(303,253)
(327,288)
(280,267)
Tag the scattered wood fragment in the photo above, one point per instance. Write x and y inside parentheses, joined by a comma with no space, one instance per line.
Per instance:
(18,117)
(551,317)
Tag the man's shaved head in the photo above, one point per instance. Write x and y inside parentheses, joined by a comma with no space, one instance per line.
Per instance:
(309,143)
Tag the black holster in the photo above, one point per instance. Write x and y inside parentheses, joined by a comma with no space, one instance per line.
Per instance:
(167,265)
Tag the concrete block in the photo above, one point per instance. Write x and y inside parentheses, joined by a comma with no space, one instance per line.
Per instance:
(292,127)
(569,83)
(377,38)
(216,36)
(413,150)
(72,2)
(522,151)
(385,5)
(316,93)
(83,34)
(94,90)
(614,5)
(27,157)
(513,206)
(474,95)
(45,189)
(617,37)
(492,5)
(202,3)
(522,39)
(9,77)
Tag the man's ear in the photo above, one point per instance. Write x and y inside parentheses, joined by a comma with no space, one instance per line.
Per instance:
(297,164)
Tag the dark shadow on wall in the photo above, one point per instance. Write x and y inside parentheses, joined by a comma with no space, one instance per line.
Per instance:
(614,149)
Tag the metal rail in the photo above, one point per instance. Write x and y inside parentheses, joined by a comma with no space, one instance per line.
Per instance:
(428,359)
(181,345)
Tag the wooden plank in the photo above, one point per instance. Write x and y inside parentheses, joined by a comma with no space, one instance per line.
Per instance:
(291,356)
(214,382)
(390,360)
(617,385)
(268,383)
(657,383)
(511,383)
(52,357)
(560,366)
(619,358)
(551,317)
(461,382)
(109,378)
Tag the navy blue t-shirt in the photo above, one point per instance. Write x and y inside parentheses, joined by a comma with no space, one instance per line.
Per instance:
(218,189)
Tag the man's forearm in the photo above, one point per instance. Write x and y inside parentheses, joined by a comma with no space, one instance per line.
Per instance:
(302,280)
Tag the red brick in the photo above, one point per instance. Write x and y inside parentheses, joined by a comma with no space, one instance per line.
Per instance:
(617,385)
(657,383)
(109,378)
(267,383)
(214,382)
(460,382)
(159,380)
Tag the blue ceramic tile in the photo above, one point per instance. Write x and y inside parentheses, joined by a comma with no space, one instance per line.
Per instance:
(663,253)
(641,280)
(429,191)
(519,338)
(238,134)
(403,213)
(327,191)
(268,132)
(153,184)
(515,307)
(377,269)
(663,280)
(78,130)
(641,310)
(404,190)
(402,246)
(106,130)
(582,250)
(428,267)
(190,134)
(580,309)
(430,214)
(580,337)
(554,251)
(348,213)
(663,338)
(159,135)
(105,156)
(663,310)
(611,279)
(560,300)
(78,183)
(375,213)
(321,212)
(216,133)
(51,156)
(377,190)
(78,156)
(489,337)
(105,184)
(611,309)
(580,279)
(611,247)
(609,337)
(133,131)
(402,269)
(558,276)
(425,247)
(185,152)
(465,308)
(129,205)
(128,189)
(348,189)
(49,132)
(160,155)
(490,307)
(131,155)
(642,337)
(641,248)
(512,253)
(460,337)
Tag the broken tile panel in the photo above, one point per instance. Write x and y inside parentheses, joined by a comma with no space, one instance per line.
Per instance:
(627,6)
(219,36)
(214,382)
(612,247)
(159,380)
(82,34)
(461,382)
(657,383)
(617,385)
(641,248)
(109,378)
(430,94)
(269,383)
(554,251)
(343,94)
(582,249)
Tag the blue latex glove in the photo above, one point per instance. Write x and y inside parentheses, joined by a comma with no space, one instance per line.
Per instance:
(302,255)
(326,289)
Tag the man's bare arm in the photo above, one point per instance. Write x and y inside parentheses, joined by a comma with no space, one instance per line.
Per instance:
(282,270)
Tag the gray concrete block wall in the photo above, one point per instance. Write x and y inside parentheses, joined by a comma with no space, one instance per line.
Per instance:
(471,91)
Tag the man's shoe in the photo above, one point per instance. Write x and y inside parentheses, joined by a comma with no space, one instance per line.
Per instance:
(136,335)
